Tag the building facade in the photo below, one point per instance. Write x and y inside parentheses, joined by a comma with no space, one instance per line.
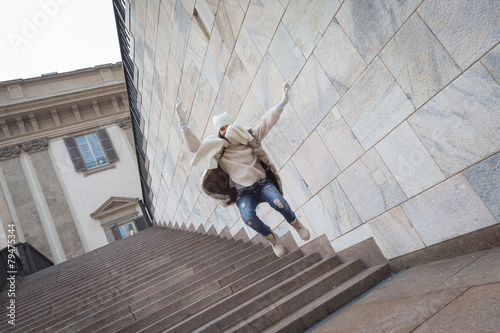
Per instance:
(68,173)
(391,134)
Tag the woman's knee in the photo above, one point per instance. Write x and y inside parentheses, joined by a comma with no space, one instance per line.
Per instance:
(279,203)
(247,213)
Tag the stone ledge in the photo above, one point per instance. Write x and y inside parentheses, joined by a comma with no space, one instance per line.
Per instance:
(476,241)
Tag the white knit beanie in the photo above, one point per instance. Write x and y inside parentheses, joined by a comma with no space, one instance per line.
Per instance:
(222,120)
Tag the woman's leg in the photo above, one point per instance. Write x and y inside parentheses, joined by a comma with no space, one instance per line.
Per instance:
(247,203)
(269,193)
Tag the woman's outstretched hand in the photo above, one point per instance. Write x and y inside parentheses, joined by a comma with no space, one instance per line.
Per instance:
(182,114)
(284,98)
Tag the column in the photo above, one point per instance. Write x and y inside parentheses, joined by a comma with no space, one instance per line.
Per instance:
(43,208)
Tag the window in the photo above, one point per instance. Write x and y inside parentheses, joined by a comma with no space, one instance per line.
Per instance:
(130,228)
(127,229)
(91,150)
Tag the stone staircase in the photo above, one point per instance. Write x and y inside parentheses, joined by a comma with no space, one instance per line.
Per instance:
(168,280)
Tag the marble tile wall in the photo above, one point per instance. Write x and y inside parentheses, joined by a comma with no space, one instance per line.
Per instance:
(392,131)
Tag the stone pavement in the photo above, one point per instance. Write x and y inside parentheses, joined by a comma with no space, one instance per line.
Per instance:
(461,294)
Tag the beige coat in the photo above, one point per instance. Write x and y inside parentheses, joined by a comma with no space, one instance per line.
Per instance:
(216,183)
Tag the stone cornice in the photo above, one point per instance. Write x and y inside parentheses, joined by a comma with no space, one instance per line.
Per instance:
(24,107)
(82,71)
(64,130)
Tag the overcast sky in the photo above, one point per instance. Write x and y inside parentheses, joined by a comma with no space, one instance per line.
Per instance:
(44,36)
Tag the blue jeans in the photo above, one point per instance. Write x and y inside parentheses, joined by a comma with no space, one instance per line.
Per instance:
(248,198)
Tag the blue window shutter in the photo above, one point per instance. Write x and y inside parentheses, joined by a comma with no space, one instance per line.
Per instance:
(74,153)
(107,145)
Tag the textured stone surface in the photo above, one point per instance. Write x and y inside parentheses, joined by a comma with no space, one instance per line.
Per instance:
(476,241)
(410,163)
(414,81)
(374,105)
(485,178)
(418,61)
(226,217)
(292,128)
(238,75)
(403,315)
(459,126)
(286,54)
(471,312)
(261,20)
(370,186)
(294,187)
(394,233)
(212,72)
(492,62)
(219,49)
(315,164)
(339,58)
(277,148)
(267,84)
(339,208)
(339,139)
(352,238)
(467,29)
(227,100)
(484,269)
(205,12)
(250,111)
(313,95)
(315,210)
(450,209)
(307,21)
(177,50)
(229,20)
(248,52)
(422,280)
(372,24)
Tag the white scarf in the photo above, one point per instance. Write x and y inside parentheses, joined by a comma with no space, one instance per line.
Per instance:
(205,156)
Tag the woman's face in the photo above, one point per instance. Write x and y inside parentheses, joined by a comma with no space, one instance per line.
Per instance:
(223,130)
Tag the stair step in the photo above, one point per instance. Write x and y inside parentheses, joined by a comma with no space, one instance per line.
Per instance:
(134,301)
(110,299)
(164,307)
(171,280)
(280,282)
(61,301)
(294,298)
(62,280)
(323,306)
